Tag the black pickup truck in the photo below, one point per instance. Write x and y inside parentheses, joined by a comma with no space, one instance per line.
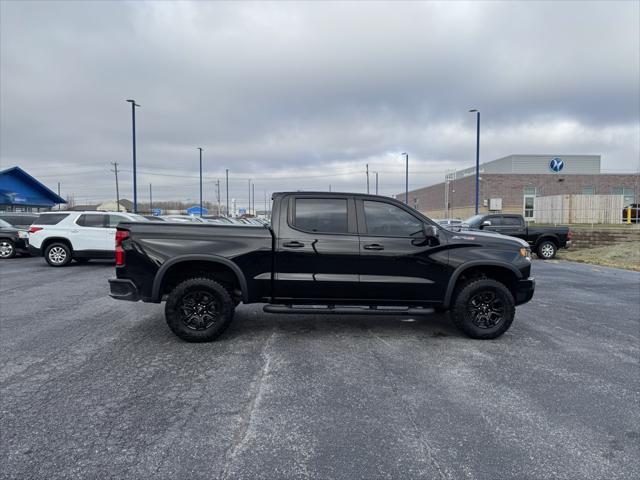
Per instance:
(324,253)
(545,241)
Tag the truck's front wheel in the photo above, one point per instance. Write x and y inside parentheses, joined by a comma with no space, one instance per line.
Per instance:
(483,308)
(199,310)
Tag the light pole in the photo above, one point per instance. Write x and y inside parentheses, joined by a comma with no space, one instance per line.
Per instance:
(227,174)
(406,178)
(376,183)
(367,179)
(135,179)
(200,149)
(477,112)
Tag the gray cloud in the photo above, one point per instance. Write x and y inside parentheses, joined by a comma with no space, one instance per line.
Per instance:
(302,95)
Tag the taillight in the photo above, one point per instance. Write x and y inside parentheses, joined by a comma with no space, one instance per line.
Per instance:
(34,229)
(120,236)
(569,235)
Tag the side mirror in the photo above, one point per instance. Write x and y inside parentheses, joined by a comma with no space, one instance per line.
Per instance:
(486,223)
(429,231)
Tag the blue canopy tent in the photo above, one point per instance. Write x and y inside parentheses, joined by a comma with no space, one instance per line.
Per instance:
(195,210)
(19,191)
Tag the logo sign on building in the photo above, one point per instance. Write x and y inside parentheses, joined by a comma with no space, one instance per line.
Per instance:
(556,165)
(156,212)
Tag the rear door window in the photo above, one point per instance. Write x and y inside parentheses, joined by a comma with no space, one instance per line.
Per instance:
(92,220)
(323,215)
(512,222)
(51,218)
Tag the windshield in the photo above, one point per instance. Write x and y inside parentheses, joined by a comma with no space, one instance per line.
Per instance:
(475,220)
(4,224)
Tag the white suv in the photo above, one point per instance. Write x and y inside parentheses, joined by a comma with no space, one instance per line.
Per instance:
(63,236)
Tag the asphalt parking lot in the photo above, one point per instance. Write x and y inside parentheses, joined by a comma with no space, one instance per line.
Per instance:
(96,388)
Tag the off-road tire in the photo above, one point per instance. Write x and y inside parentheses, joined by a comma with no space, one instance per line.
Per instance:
(8,249)
(177,305)
(462,309)
(546,250)
(58,254)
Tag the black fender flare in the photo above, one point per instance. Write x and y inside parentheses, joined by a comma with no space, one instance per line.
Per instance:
(547,236)
(156,294)
(471,264)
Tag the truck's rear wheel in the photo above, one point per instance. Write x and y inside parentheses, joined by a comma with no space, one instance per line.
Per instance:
(546,250)
(483,309)
(199,310)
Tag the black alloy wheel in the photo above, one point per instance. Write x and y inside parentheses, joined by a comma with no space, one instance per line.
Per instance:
(485,309)
(199,310)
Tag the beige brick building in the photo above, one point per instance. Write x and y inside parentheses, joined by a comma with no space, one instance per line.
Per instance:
(510,185)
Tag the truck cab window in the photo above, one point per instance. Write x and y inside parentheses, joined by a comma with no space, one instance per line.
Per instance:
(388,220)
(324,215)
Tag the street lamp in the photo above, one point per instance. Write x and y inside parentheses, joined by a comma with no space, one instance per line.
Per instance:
(406,178)
(200,149)
(135,179)
(477,112)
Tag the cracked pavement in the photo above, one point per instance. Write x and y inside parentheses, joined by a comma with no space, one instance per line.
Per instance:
(96,388)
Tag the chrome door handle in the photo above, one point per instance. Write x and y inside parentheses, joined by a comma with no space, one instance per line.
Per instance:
(373,246)
(293,244)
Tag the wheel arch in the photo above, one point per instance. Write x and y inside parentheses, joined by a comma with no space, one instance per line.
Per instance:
(49,240)
(193,263)
(548,237)
(498,270)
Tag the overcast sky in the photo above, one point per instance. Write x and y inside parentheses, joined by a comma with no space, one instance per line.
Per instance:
(303,95)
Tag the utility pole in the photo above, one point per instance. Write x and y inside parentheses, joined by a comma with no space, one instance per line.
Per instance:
(115,170)
(227,174)
(367,179)
(200,149)
(376,183)
(329,187)
(150,199)
(253,194)
(265,204)
(135,180)
(406,179)
(218,195)
(249,207)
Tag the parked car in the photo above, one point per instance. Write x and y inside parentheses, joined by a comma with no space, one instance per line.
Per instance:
(64,236)
(20,220)
(545,241)
(154,218)
(12,240)
(182,219)
(449,222)
(324,253)
(634,211)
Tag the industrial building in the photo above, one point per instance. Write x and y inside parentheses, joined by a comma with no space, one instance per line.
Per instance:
(20,192)
(516,183)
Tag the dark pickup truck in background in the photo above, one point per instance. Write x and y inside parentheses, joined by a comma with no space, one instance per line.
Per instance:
(324,253)
(545,241)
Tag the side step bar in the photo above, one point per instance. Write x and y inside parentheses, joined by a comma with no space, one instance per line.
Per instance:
(347,310)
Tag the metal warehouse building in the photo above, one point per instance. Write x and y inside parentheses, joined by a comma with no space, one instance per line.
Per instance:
(515,183)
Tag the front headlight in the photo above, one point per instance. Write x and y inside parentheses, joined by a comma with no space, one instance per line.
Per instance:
(526,253)
(23,234)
